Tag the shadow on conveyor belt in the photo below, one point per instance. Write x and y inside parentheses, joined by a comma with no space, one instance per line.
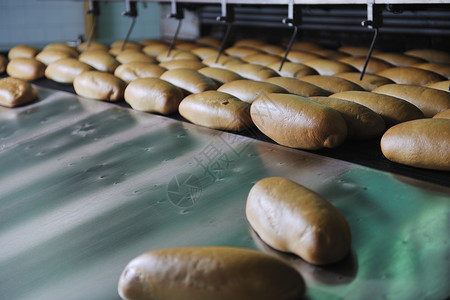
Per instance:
(366,153)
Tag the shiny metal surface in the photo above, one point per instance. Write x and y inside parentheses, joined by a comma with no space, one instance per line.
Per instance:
(86,186)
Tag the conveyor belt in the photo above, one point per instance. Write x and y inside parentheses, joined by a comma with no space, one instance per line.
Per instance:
(86,186)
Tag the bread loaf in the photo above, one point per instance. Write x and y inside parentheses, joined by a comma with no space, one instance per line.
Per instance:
(252,71)
(298,87)
(248,90)
(99,60)
(362,122)
(118,51)
(182,63)
(423,143)
(25,68)
(356,51)
(128,45)
(62,47)
(441,85)
(92,46)
(220,76)
(15,92)
(134,70)
(369,81)
(223,61)
(205,52)
(429,100)
(22,51)
(249,43)
(445,114)
(291,69)
(209,41)
(205,273)
(154,50)
(127,57)
(305,46)
(241,52)
(176,54)
(262,59)
(273,49)
(374,65)
(216,110)
(297,122)
(329,67)
(398,59)
(331,83)
(190,81)
(99,85)
(393,110)
(3,63)
(297,56)
(153,95)
(410,75)
(442,69)
(329,53)
(430,55)
(48,56)
(66,69)
(291,218)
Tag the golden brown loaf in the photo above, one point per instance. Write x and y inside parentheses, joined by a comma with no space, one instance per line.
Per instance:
(99,85)
(262,59)
(22,51)
(272,49)
(369,81)
(445,114)
(92,46)
(216,110)
(329,67)
(3,63)
(48,56)
(252,71)
(356,51)
(187,46)
(305,46)
(430,101)
(398,59)
(291,218)
(127,57)
(298,87)
(240,52)
(154,50)
(441,85)
(331,83)
(291,69)
(209,41)
(15,92)
(442,69)
(205,52)
(128,45)
(153,95)
(411,75)
(430,55)
(297,56)
(374,65)
(182,63)
(66,69)
(250,43)
(393,110)
(423,143)
(248,90)
(62,47)
(362,122)
(297,122)
(220,76)
(99,60)
(190,81)
(223,61)
(117,51)
(176,54)
(206,273)
(134,70)
(25,68)
(329,53)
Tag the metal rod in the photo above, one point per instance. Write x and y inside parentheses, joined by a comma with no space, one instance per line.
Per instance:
(224,41)
(91,34)
(363,71)
(172,44)
(128,34)
(291,42)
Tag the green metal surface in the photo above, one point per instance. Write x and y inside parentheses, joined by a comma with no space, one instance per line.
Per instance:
(86,186)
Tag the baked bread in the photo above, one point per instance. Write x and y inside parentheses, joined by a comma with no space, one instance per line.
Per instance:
(201,273)
(117,51)
(127,57)
(262,59)
(445,114)
(128,45)
(99,60)
(374,65)
(369,81)
(410,75)
(429,100)
(398,59)
(25,68)
(431,55)
(3,63)
(305,46)
(291,69)
(291,218)
(223,61)
(240,52)
(421,143)
(208,41)
(205,52)
(190,81)
(62,47)
(393,110)
(48,56)
(329,53)
(154,50)
(356,51)
(216,110)
(134,70)
(248,90)
(66,69)
(15,92)
(331,83)
(297,122)
(153,95)
(441,85)
(252,71)
(220,76)
(99,86)
(92,46)
(250,43)
(328,67)
(182,63)
(22,51)
(442,69)
(362,122)
(273,49)
(298,87)
(297,56)
(152,42)
(176,54)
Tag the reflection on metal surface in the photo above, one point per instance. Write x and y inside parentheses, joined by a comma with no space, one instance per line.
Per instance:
(86,186)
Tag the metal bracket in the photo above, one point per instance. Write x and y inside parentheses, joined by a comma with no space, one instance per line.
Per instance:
(227,17)
(294,20)
(131,11)
(374,21)
(94,10)
(176,13)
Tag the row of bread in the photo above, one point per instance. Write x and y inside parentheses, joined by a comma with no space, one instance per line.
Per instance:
(314,110)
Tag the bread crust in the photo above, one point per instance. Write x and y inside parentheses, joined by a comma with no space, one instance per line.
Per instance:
(252,71)
(25,68)
(369,81)
(329,67)
(99,86)
(298,87)
(22,51)
(248,90)
(15,92)
(190,81)
(134,70)
(66,69)
(99,60)
(219,75)
(411,75)
(331,83)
